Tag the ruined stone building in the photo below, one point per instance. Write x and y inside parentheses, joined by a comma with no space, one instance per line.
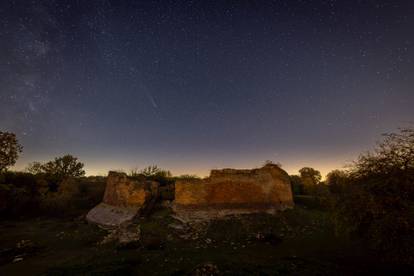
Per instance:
(224,192)
(124,198)
(231,191)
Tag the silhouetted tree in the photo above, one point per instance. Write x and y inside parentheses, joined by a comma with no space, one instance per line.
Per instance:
(336,180)
(9,150)
(65,166)
(310,176)
(57,170)
(35,168)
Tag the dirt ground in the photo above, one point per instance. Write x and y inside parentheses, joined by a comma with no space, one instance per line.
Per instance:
(299,241)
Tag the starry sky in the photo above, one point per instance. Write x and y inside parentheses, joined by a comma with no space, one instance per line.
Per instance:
(196,85)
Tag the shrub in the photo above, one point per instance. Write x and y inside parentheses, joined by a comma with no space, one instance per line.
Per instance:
(337,180)
(57,170)
(154,173)
(25,194)
(75,196)
(376,201)
(18,193)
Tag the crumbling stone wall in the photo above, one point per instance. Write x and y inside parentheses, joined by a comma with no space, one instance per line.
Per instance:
(224,192)
(231,191)
(123,198)
(124,192)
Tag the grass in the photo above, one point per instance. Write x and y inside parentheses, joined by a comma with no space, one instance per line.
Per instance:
(298,241)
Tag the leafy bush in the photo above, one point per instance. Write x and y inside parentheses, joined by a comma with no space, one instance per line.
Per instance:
(18,193)
(307,183)
(75,196)
(376,201)
(25,194)
(154,173)
(57,170)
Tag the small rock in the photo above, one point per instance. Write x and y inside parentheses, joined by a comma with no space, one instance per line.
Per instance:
(176,226)
(24,244)
(260,236)
(17,259)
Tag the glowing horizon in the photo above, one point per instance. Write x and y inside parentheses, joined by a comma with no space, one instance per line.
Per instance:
(95,167)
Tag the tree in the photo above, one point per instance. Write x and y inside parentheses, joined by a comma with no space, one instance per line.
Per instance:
(310,176)
(60,167)
(35,168)
(377,202)
(9,150)
(336,180)
(395,154)
(57,170)
(65,166)
(310,179)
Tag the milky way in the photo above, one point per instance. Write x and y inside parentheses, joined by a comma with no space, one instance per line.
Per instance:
(194,85)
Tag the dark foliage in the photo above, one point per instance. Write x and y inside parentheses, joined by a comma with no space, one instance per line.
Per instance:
(336,180)
(307,183)
(9,150)
(154,173)
(297,185)
(25,194)
(18,193)
(376,201)
(57,170)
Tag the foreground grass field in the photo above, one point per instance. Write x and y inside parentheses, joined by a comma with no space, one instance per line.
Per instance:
(298,241)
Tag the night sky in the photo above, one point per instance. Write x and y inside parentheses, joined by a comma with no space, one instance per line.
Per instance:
(196,85)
